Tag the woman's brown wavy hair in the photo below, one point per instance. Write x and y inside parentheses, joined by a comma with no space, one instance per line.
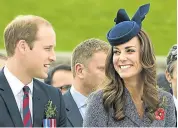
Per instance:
(113,93)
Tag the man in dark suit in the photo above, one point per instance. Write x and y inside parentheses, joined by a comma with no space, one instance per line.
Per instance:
(29,42)
(88,64)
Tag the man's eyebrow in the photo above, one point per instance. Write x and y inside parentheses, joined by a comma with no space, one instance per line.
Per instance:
(49,46)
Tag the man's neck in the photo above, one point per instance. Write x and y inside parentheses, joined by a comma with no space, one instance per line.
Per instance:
(18,72)
(81,88)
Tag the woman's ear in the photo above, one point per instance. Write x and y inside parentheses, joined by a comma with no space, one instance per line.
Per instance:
(168,76)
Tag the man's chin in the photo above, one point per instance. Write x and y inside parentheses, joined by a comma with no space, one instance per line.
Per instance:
(42,76)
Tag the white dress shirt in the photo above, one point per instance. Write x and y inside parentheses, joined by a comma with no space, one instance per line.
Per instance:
(80,100)
(17,88)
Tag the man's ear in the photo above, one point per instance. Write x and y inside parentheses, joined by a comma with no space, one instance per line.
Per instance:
(168,76)
(22,46)
(79,70)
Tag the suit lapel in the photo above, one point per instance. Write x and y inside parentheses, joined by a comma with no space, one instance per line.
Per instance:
(39,102)
(9,99)
(73,113)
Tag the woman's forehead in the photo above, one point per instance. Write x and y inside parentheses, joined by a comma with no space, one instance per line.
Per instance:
(134,42)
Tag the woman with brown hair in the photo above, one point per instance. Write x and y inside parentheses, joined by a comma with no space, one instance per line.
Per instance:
(130,97)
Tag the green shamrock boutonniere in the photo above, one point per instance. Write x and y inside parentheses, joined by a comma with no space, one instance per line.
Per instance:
(50,110)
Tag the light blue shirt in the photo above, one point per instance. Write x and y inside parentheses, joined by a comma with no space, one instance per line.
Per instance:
(80,100)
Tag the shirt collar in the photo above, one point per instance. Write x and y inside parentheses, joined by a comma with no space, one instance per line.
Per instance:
(79,99)
(15,84)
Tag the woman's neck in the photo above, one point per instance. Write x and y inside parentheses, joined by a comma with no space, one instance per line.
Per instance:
(135,88)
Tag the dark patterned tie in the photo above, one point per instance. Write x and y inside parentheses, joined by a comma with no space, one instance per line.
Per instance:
(27,121)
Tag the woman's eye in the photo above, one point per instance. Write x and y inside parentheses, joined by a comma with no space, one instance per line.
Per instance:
(130,50)
(116,52)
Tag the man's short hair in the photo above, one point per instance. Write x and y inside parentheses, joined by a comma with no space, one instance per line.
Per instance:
(48,80)
(85,50)
(22,28)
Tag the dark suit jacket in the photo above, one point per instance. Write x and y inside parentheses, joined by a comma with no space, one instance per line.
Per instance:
(9,112)
(74,118)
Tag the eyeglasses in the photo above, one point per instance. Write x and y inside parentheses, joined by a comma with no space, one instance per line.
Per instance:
(64,87)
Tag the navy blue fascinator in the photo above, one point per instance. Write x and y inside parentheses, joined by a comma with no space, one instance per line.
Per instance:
(125,29)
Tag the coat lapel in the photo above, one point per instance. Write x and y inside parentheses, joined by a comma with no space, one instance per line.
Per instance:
(39,102)
(9,99)
(132,114)
(73,113)
(130,110)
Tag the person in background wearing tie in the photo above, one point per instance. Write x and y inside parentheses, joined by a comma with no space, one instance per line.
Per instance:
(87,64)
(29,42)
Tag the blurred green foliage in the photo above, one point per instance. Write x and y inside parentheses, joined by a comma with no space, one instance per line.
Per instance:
(77,20)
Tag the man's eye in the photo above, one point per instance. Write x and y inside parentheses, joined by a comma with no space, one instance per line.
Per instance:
(101,68)
(48,49)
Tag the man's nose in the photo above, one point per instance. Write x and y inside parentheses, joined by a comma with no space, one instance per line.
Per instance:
(52,56)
